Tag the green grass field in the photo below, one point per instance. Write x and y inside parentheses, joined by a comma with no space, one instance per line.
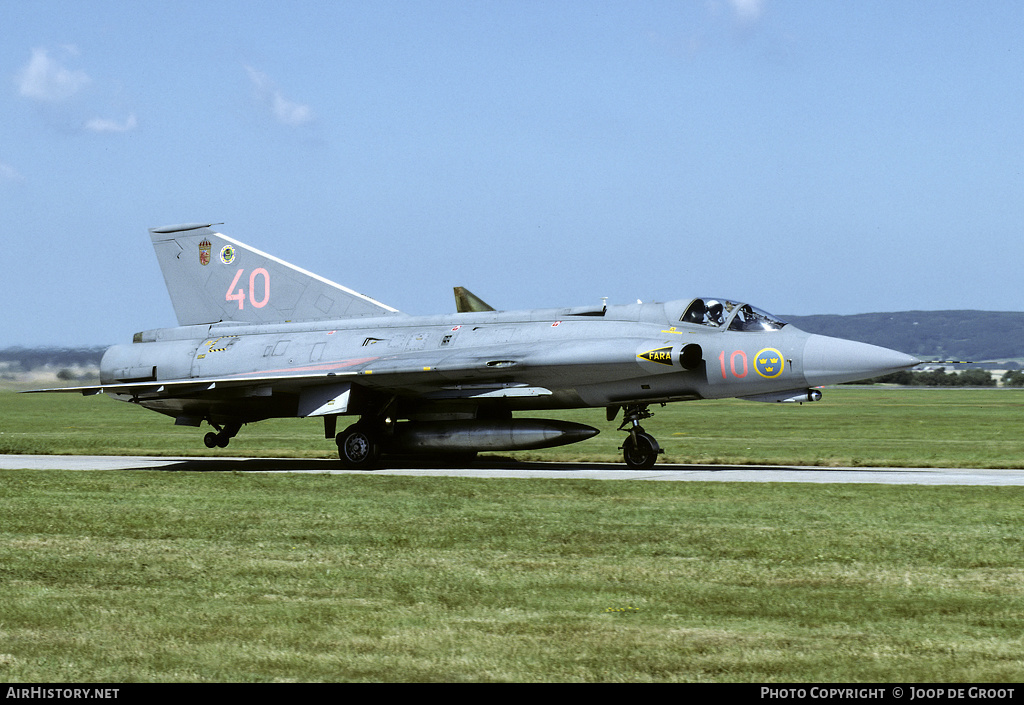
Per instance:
(245,577)
(158,576)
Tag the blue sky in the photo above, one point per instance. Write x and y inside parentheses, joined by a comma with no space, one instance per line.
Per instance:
(806,156)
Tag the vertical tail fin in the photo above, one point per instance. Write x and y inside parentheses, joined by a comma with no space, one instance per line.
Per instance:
(211,277)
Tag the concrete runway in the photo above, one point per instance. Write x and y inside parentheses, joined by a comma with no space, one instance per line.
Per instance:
(488,468)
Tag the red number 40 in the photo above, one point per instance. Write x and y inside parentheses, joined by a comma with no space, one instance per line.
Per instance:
(239,295)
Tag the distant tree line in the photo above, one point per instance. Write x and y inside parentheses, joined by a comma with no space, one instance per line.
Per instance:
(28,359)
(941,378)
(1013,378)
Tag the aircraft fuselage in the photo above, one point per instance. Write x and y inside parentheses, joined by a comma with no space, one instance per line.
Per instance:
(516,360)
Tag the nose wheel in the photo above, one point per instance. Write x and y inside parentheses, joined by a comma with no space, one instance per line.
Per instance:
(640,451)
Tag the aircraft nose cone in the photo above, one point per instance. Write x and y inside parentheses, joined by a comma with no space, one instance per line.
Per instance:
(834,360)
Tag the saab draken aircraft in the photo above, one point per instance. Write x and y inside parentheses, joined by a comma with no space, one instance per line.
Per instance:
(259,338)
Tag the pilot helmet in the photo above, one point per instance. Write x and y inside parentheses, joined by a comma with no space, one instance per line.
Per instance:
(715,311)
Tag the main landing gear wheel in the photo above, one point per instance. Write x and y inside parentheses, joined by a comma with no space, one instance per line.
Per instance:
(358,448)
(215,440)
(223,435)
(640,450)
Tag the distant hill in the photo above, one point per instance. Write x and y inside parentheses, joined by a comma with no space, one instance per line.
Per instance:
(949,335)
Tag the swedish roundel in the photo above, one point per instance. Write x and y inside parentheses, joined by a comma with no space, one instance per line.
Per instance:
(769,363)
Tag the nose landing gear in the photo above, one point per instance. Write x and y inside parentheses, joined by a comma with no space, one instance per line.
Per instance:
(640,450)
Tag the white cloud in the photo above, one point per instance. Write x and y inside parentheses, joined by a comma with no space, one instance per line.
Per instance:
(285,111)
(104,125)
(9,173)
(44,78)
(291,113)
(61,95)
(747,10)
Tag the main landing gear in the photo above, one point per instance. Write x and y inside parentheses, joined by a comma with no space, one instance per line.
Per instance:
(640,450)
(359,447)
(223,435)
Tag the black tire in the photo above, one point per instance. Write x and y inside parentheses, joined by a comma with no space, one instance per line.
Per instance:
(358,448)
(210,440)
(640,451)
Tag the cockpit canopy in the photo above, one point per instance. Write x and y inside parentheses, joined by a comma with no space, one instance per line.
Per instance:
(739,317)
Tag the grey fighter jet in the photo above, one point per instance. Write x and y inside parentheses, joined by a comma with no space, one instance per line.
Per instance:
(260,338)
